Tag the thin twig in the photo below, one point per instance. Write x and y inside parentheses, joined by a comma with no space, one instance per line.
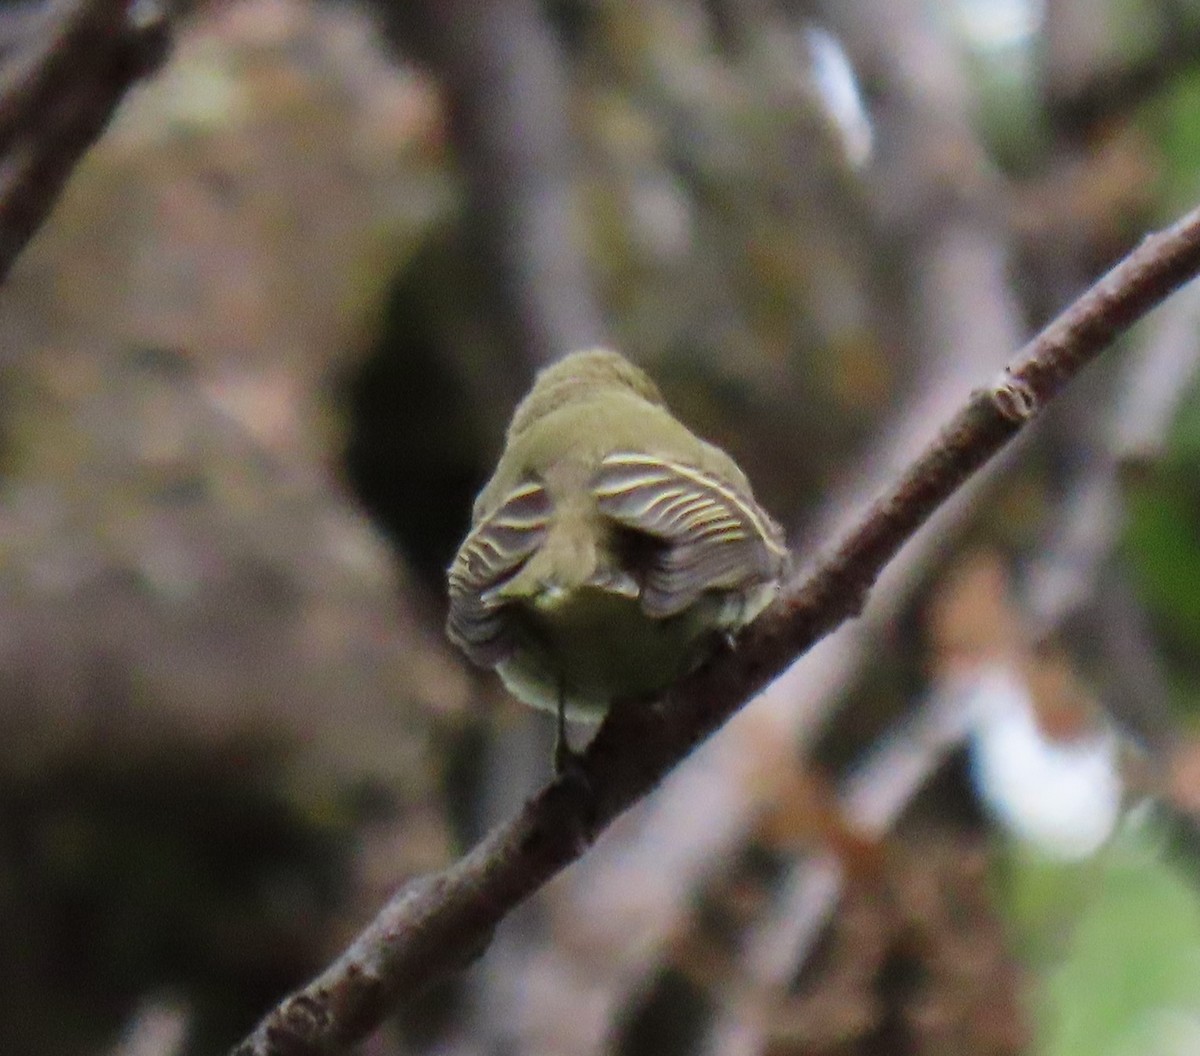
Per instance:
(507,103)
(1166,366)
(873,798)
(1068,576)
(58,95)
(645,877)
(442,922)
(159,1027)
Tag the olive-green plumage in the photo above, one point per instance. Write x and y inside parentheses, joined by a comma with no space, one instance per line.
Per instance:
(610,546)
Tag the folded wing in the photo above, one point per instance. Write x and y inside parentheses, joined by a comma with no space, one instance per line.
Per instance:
(712,535)
(495,550)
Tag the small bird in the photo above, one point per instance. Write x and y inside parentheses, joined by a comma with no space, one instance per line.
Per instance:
(610,549)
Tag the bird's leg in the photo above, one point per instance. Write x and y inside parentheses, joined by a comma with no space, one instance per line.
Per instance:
(565,757)
(570,774)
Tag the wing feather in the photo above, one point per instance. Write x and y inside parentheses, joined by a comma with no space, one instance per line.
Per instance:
(493,552)
(713,535)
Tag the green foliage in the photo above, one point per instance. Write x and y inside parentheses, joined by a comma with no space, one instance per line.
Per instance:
(1162,542)
(1117,945)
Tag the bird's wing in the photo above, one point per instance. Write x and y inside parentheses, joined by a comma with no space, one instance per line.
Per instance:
(712,535)
(495,550)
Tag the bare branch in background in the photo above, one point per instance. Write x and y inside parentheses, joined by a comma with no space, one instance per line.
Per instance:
(1087,86)
(1165,367)
(873,798)
(1068,582)
(1068,576)
(507,94)
(442,922)
(159,1027)
(575,986)
(56,97)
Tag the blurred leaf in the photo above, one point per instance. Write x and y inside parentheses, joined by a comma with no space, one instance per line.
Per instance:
(1162,539)
(1172,118)
(1185,434)
(1127,963)
(1163,545)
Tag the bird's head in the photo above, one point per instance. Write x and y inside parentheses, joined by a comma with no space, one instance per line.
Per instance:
(578,376)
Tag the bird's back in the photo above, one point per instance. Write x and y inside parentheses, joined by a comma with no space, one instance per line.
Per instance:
(610,543)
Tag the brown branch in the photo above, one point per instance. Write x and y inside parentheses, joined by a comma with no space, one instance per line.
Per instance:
(443,922)
(872,799)
(966,326)
(158,1027)
(57,95)
(1164,370)
(1066,579)
(507,96)
(1086,89)
(32,77)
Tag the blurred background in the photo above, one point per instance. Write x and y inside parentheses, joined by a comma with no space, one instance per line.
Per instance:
(256,366)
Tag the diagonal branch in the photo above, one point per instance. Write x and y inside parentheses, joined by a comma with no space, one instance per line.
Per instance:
(576,985)
(507,100)
(872,799)
(441,923)
(1062,582)
(57,94)
(1085,89)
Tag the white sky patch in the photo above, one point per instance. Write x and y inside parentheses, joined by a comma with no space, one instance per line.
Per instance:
(998,25)
(1064,798)
(1163,1032)
(837,86)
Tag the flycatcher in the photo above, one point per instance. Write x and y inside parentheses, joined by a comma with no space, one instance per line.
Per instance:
(610,548)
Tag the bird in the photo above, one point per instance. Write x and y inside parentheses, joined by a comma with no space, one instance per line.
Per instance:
(611,549)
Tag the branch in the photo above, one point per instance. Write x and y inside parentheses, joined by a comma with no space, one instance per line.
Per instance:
(1165,368)
(159,1027)
(442,922)
(57,95)
(1086,89)
(1065,580)
(507,95)
(645,876)
(872,800)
